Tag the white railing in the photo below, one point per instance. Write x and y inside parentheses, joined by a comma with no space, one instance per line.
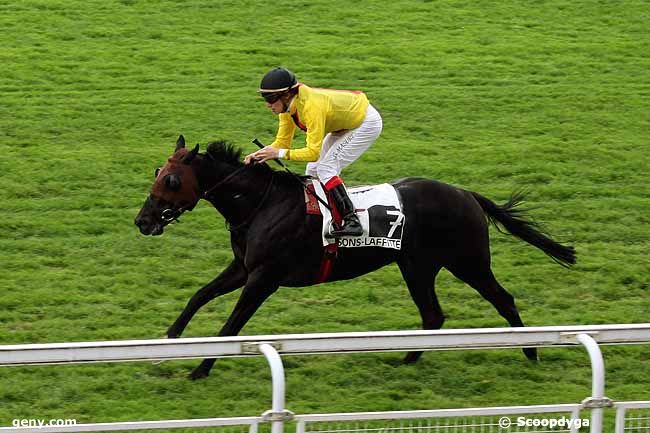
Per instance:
(485,420)
(638,422)
(273,346)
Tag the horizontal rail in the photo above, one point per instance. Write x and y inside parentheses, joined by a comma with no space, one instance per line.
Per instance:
(440,413)
(621,415)
(632,404)
(301,420)
(253,422)
(303,344)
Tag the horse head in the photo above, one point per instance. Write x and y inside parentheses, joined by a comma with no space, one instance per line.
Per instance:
(175,190)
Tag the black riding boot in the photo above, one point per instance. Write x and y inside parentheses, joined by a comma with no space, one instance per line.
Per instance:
(351,223)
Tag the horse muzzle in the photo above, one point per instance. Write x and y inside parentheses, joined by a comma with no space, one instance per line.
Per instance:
(149,220)
(148,227)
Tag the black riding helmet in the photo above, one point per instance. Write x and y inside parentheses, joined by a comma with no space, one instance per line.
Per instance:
(277,82)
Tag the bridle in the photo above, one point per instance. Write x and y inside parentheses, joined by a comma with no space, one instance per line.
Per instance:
(207,193)
(172,214)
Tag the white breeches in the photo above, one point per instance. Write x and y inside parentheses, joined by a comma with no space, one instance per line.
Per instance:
(341,149)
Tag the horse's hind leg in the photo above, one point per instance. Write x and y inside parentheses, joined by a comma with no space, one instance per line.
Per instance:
(420,278)
(487,285)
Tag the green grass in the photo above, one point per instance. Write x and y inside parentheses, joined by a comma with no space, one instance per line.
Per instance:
(492,96)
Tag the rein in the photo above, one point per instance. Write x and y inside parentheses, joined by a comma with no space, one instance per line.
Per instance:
(169,215)
(222,181)
(254,212)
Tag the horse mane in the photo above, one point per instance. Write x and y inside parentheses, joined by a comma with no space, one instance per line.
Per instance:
(229,153)
(223,151)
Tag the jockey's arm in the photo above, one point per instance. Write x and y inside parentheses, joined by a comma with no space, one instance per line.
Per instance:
(315,122)
(286,131)
(283,139)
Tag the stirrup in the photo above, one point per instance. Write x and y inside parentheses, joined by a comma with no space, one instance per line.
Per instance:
(351,227)
(329,234)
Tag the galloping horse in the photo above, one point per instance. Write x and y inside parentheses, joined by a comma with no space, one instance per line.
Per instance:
(275,243)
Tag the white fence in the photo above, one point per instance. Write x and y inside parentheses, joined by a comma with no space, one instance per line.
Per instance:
(630,415)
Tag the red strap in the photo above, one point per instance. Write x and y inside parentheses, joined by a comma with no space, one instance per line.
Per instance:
(310,200)
(329,255)
(330,251)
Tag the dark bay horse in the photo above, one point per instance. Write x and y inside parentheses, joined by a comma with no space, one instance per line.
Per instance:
(275,243)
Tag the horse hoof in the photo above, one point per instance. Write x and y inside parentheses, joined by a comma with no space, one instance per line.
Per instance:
(198,373)
(412,357)
(531,353)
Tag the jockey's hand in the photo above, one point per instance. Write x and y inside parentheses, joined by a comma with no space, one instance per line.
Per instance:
(262,155)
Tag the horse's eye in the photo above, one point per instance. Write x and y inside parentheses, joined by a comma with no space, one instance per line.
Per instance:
(172,182)
(157,172)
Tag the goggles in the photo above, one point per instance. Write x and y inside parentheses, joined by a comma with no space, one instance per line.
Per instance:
(272,97)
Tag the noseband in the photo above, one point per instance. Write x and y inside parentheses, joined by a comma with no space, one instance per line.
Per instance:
(170,215)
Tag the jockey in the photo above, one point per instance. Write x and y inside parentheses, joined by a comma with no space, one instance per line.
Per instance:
(340,126)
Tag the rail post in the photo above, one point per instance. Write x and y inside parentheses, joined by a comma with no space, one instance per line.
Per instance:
(597,401)
(278,414)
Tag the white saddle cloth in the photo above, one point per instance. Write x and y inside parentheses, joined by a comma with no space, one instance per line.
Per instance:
(380,212)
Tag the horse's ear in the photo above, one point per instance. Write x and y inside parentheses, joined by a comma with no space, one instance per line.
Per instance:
(180,143)
(191,154)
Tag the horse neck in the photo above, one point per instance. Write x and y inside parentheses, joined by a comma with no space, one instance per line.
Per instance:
(238,193)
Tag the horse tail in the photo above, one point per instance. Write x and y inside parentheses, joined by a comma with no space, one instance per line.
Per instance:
(515,221)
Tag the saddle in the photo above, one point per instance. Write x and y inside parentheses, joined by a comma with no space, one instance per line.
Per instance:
(379,208)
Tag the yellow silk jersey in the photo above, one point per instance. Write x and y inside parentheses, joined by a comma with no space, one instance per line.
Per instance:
(319,112)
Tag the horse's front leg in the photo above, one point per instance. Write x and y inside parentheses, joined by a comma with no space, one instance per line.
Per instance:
(232,278)
(257,289)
